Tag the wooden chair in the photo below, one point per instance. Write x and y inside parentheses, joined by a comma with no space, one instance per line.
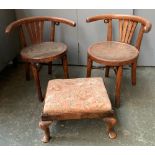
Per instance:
(35,51)
(116,54)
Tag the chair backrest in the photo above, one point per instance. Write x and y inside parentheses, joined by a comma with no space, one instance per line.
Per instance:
(127,26)
(33,28)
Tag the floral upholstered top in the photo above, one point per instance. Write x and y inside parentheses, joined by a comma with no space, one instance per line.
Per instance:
(81,95)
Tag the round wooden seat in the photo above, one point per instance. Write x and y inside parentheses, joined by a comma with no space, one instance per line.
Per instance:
(113,53)
(43,52)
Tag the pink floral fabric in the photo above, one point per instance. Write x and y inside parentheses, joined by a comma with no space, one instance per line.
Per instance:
(81,95)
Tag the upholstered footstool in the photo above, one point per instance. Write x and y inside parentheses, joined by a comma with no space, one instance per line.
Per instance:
(79,98)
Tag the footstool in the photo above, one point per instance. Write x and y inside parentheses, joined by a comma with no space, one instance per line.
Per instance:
(80,98)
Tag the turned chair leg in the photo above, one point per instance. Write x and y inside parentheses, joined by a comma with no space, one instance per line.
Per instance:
(65,66)
(110,123)
(44,125)
(15,61)
(35,72)
(115,69)
(118,86)
(107,68)
(89,67)
(133,73)
(27,71)
(50,68)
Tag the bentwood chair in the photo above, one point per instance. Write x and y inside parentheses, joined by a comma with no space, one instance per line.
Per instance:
(116,54)
(35,51)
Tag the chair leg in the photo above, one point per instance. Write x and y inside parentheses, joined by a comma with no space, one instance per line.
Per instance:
(133,73)
(110,123)
(107,71)
(89,67)
(65,66)
(115,70)
(15,61)
(27,71)
(118,86)
(50,68)
(44,125)
(37,81)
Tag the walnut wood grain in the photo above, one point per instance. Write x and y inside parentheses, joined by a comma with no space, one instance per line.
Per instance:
(74,116)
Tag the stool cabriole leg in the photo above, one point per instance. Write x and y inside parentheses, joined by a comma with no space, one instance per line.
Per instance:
(44,125)
(110,123)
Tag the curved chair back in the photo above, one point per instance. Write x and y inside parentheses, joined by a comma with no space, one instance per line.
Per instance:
(127,26)
(32,28)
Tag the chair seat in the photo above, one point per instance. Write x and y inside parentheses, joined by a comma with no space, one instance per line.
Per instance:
(43,51)
(72,96)
(112,52)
